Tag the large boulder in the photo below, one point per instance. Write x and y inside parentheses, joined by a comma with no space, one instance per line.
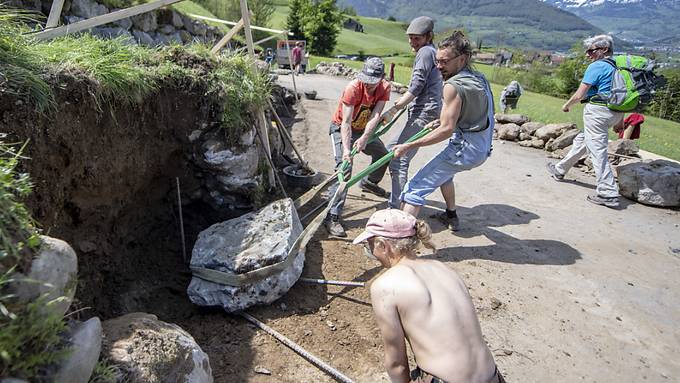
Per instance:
(553,130)
(531,127)
(654,183)
(624,146)
(564,140)
(518,119)
(508,132)
(153,351)
(84,342)
(245,244)
(53,274)
(146,22)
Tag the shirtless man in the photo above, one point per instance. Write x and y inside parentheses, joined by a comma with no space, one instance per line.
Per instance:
(426,302)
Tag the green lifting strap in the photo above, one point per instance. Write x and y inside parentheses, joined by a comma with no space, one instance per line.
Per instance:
(231,279)
(309,195)
(384,159)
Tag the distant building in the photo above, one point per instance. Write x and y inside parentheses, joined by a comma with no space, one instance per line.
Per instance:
(353,25)
(484,58)
(503,58)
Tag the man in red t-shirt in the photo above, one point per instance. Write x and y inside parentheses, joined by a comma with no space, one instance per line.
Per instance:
(630,127)
(354,121)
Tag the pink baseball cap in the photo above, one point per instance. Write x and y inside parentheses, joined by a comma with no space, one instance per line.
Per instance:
(390,223)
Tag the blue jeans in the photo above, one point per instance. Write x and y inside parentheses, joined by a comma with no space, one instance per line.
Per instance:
(457,156)
(399,166)
(375,149)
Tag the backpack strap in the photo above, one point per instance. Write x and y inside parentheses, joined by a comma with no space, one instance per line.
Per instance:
(611,62)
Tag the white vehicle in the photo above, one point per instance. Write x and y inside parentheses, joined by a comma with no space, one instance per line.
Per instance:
(282,53)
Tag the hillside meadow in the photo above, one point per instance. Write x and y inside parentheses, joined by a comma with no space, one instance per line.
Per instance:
(658,136)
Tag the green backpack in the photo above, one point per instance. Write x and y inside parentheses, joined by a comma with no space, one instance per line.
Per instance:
(633,83)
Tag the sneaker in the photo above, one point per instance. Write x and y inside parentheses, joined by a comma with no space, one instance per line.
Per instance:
(335,228)
(554,173)
(604,201)
(373,188)
(452,223)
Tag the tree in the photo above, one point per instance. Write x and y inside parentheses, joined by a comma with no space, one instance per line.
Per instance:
(296,16)
(667,99)
(322,26)
(571,71)
(262,11)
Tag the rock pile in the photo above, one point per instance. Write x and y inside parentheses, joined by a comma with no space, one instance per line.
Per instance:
(244,245)
(159,27)
(555,138)
(335,69)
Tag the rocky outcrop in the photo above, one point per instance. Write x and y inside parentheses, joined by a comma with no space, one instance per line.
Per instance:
(85,343)
(518,119)
(553,130)
(654,183)
(508,132)
(564,140)
(53,274)
(153,351)
(624,146)
(158,27)
(531,127)
(335,69)
(244,244)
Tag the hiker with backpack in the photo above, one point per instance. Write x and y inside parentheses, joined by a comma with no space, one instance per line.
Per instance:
(510,95)
(597,118)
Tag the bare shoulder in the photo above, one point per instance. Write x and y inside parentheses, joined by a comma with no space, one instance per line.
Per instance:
(392,280)
(450,91)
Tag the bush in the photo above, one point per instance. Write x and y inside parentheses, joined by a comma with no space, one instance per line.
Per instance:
(666,101)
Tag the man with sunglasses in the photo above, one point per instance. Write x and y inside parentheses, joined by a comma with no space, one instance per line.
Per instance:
(597,118)
(466,121)
(424,97)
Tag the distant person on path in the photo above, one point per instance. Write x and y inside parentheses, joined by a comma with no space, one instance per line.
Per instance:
(630,127)
(466,121)
(354,121)
(510,95)
(425,91)
(597,119)
(426,302)
(297,57)
(269,56)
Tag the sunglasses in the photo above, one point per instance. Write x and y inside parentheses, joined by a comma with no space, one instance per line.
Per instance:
(591,50)
(445,61)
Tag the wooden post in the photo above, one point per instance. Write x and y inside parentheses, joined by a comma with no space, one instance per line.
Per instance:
(224,40)
(262,122)
(100,20)
(292,70)
(55,13)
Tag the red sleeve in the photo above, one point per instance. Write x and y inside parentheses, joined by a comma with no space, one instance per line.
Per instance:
(352,94)
(385,91)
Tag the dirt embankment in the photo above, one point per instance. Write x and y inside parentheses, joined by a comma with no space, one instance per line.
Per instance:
(104,180)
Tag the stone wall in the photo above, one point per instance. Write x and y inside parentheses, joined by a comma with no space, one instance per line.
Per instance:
(158,27)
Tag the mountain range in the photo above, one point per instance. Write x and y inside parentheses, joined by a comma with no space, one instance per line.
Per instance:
(638,21)
(546,24)
(518,23)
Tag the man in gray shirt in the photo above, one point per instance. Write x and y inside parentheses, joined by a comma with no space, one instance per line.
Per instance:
(425,91)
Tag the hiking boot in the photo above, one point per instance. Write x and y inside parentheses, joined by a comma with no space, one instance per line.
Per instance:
(335,228)
(604,201)
(451,223)
(554,173)
(369,187)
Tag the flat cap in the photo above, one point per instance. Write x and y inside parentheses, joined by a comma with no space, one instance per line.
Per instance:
(420,26)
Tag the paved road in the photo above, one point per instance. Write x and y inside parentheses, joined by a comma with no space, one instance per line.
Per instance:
(588,293)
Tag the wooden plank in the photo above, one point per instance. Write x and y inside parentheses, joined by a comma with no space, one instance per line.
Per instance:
(103,19)
(233,31)
(55,14)
(245,16)
(233,23)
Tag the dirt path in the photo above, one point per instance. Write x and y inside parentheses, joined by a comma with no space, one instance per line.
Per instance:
(565,290)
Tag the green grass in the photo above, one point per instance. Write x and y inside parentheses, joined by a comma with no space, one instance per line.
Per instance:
(658,136)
